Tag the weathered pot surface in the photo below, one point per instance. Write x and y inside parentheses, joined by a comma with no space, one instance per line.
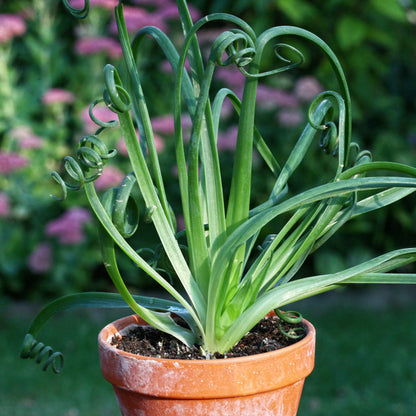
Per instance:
(263,384)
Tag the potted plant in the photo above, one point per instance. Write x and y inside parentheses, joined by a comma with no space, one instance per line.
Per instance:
(229,280)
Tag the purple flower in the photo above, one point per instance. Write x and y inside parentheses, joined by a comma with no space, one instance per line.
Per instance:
(40,260)
(290,117)
(207,37)
(170,11)
(93,45)
(163,124)
(227,139)
(231,76)
(11,25)
(307,88)
(9,162)
(110,177)
(101,112)
(136,18)
(270,97)
(4,205)
(166,66)
(26,138)
(157,3)
(68,227)
(159,144)
(57,95)
(106,4)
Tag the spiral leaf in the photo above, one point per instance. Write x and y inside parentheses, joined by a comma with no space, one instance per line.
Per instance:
(92,154)
(79,13)
(123,204)
(290,63)
(237,45)
(291,317)
(329,138)
(31,348)
(100,123)
(114,95)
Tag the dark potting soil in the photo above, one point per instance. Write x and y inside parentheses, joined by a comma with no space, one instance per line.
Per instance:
(148,341)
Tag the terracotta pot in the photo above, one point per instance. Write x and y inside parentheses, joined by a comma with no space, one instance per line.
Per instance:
(259,385)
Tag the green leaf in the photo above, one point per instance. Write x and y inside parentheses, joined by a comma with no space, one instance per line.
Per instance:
(387,39)
(350,32)
(384,278)
(157,310)
(100,300)
(390,8)
(373,271)
(298,11)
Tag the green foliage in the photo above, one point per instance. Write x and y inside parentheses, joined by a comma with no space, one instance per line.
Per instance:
(296,11)
(36,132)
(373,41)
(230,274)
(379,67)
(350,32)
(391,9)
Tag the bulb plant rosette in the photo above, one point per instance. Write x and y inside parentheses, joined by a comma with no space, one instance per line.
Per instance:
(229,281)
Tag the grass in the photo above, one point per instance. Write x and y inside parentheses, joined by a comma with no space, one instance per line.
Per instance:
(365,363)
(365,360)
(79,390)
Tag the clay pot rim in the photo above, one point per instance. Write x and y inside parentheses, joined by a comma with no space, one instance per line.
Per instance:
(120,325)
(203,379)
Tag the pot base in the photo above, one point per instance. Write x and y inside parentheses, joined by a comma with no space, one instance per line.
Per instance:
(267,384)
(280,402)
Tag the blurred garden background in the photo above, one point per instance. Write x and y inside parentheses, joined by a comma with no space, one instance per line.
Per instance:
(51,70)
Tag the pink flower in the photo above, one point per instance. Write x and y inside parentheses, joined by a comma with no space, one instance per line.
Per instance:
(26,138)
(78,214)
(170,11)
(101,112)
(270,97)
(121,147)
(11,25)
(93,45)
(105,4)
(166,67)
(163,124)
(57,95)
(227,109)
(208,36)
(159,144)
(10,162)
(307,88)
(110,177)
(68,227)
(4,204)
(136,18)
(40,260)
(290,117)
(231,76)
(156,3)
(227,139)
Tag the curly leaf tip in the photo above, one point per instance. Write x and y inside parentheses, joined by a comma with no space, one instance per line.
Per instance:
(32,348)
(79,13)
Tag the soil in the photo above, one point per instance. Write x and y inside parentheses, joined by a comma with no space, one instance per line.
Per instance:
(150,342)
